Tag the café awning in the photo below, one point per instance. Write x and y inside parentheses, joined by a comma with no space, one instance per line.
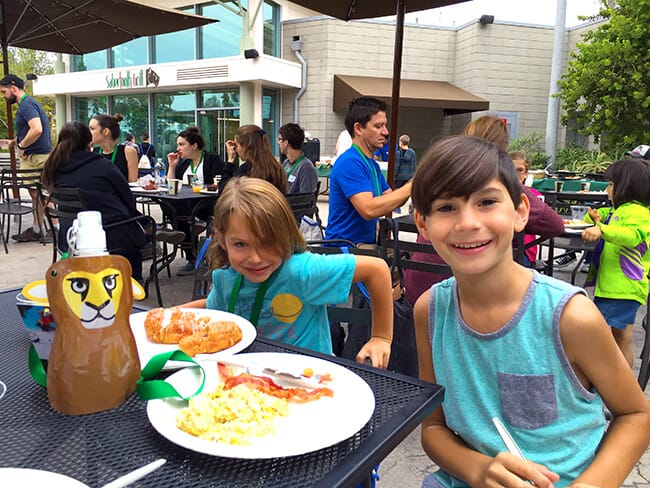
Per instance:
(413,93)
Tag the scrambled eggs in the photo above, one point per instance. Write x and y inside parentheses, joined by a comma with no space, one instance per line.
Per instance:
(232,416)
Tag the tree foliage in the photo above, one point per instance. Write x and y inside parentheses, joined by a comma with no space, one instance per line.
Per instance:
(21,62)
(606,89)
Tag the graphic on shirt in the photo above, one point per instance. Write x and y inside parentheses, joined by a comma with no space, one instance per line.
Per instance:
(286,307)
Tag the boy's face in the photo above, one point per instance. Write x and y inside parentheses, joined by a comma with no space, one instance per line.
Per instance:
(246,255)
(521,169)
(473,235)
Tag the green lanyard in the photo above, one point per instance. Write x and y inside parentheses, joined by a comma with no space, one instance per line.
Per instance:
(19,102)
(114,153)
(295,163)
(259,297)
(192,168)
(371,168)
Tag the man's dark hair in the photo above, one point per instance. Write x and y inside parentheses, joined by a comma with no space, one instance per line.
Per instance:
(361,110)
(293,134)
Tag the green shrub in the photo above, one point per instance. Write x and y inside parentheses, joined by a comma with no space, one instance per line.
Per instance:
(532,144)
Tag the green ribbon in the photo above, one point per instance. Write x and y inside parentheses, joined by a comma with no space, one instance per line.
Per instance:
(146,387)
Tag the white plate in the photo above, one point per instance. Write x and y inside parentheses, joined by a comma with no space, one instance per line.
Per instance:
(139,189)
(209,192)
(577,226)
(308,427)
(148,349)
(37,477)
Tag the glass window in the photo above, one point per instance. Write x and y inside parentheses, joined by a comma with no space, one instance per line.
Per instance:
(222,38)
(175,46)
(85,108)
(90,61)
(271,29)
(135,111)
(130,53)
(220,98)
(271,116)
(174,113)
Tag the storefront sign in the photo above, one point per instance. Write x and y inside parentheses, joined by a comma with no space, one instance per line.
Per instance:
(132,79)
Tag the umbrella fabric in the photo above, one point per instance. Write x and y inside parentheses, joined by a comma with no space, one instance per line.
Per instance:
(84,26)
(366,9)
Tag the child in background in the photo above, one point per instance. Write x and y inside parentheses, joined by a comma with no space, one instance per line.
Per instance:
(262,272)
(510,343)
(521,167)
(621,260)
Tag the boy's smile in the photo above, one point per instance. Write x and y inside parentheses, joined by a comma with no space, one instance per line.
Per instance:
(247,256)
(474,234)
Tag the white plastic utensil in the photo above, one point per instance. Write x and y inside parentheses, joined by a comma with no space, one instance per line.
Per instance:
(510,443)
(129,478)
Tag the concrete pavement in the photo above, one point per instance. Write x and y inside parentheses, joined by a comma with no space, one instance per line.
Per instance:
(404,467)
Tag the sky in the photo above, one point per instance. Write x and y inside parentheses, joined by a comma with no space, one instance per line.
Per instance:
(528,11)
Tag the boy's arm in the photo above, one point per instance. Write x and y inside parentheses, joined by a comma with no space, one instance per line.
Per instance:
(596,358)
(448,450)
(374,273)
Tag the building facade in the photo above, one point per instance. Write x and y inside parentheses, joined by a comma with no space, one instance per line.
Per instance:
(271,63)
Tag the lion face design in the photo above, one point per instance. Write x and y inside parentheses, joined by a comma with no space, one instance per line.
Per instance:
(94,297)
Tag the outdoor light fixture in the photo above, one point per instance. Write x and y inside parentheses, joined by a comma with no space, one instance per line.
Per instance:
(486,19)
(251,53)
(31,76)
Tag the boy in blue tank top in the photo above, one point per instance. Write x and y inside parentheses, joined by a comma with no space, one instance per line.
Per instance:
(510,343)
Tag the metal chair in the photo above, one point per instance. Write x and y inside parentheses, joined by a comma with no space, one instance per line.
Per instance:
(13,204)
(305,204)
(644,369)
(67,203)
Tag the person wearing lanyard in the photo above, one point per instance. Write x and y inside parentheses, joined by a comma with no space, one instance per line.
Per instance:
(191,161)
(301,172)
(105,130)
(359,194)
(33,142)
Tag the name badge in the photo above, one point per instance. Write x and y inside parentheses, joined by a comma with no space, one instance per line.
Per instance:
(292,178)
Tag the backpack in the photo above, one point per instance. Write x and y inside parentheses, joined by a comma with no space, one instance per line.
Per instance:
(144,162)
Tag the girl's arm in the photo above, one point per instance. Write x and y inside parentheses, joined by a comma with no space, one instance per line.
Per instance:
(131,155)
(194,304)
(448,450)
(597,361)
(374,273)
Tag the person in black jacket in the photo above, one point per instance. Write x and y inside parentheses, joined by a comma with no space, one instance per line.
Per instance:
(105,189)
(191,160)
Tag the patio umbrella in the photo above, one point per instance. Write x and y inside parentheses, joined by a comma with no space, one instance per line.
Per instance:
(82,26)
(364,9)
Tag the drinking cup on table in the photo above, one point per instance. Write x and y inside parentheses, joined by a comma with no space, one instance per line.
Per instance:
(559,185)
(173,185)
(585,185)
(196,186)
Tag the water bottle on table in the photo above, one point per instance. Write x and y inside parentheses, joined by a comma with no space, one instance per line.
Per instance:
(159,172)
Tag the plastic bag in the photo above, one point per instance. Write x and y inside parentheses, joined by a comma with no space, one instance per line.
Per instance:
(310,229)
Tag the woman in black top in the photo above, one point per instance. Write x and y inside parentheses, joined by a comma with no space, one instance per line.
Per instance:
(190,158)
(252,145)
(71,164)
(105,130)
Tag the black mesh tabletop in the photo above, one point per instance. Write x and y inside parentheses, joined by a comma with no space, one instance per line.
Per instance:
(97,448)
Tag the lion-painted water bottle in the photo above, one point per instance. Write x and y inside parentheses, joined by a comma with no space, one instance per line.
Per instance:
(93,364)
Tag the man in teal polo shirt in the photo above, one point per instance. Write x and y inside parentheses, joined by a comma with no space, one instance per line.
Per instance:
(359,194)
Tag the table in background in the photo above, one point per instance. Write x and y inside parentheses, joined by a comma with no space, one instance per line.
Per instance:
(561,201)
(183,202)
(548,184)
(97,448)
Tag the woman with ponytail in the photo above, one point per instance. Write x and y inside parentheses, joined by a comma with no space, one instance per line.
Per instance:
(71,164)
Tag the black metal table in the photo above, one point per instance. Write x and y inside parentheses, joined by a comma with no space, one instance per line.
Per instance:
(561,201)
(98,448)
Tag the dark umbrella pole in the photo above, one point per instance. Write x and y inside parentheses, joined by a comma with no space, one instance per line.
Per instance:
(10,118)
(397,77)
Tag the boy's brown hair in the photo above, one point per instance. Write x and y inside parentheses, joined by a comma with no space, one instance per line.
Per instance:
(459,166)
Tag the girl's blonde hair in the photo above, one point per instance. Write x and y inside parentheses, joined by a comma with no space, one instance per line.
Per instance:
(267,214)
(490,128)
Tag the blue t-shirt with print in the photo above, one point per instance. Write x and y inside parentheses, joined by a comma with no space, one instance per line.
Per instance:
(294,309)
(351,174)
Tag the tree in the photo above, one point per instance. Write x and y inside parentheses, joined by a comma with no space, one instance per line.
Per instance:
(606,89)
(21,62)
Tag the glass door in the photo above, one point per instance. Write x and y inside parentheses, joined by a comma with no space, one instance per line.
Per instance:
(217,126)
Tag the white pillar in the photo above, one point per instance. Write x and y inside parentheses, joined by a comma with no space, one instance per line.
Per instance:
(553,114)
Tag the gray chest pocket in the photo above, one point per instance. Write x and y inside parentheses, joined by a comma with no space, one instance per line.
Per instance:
(527,401)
